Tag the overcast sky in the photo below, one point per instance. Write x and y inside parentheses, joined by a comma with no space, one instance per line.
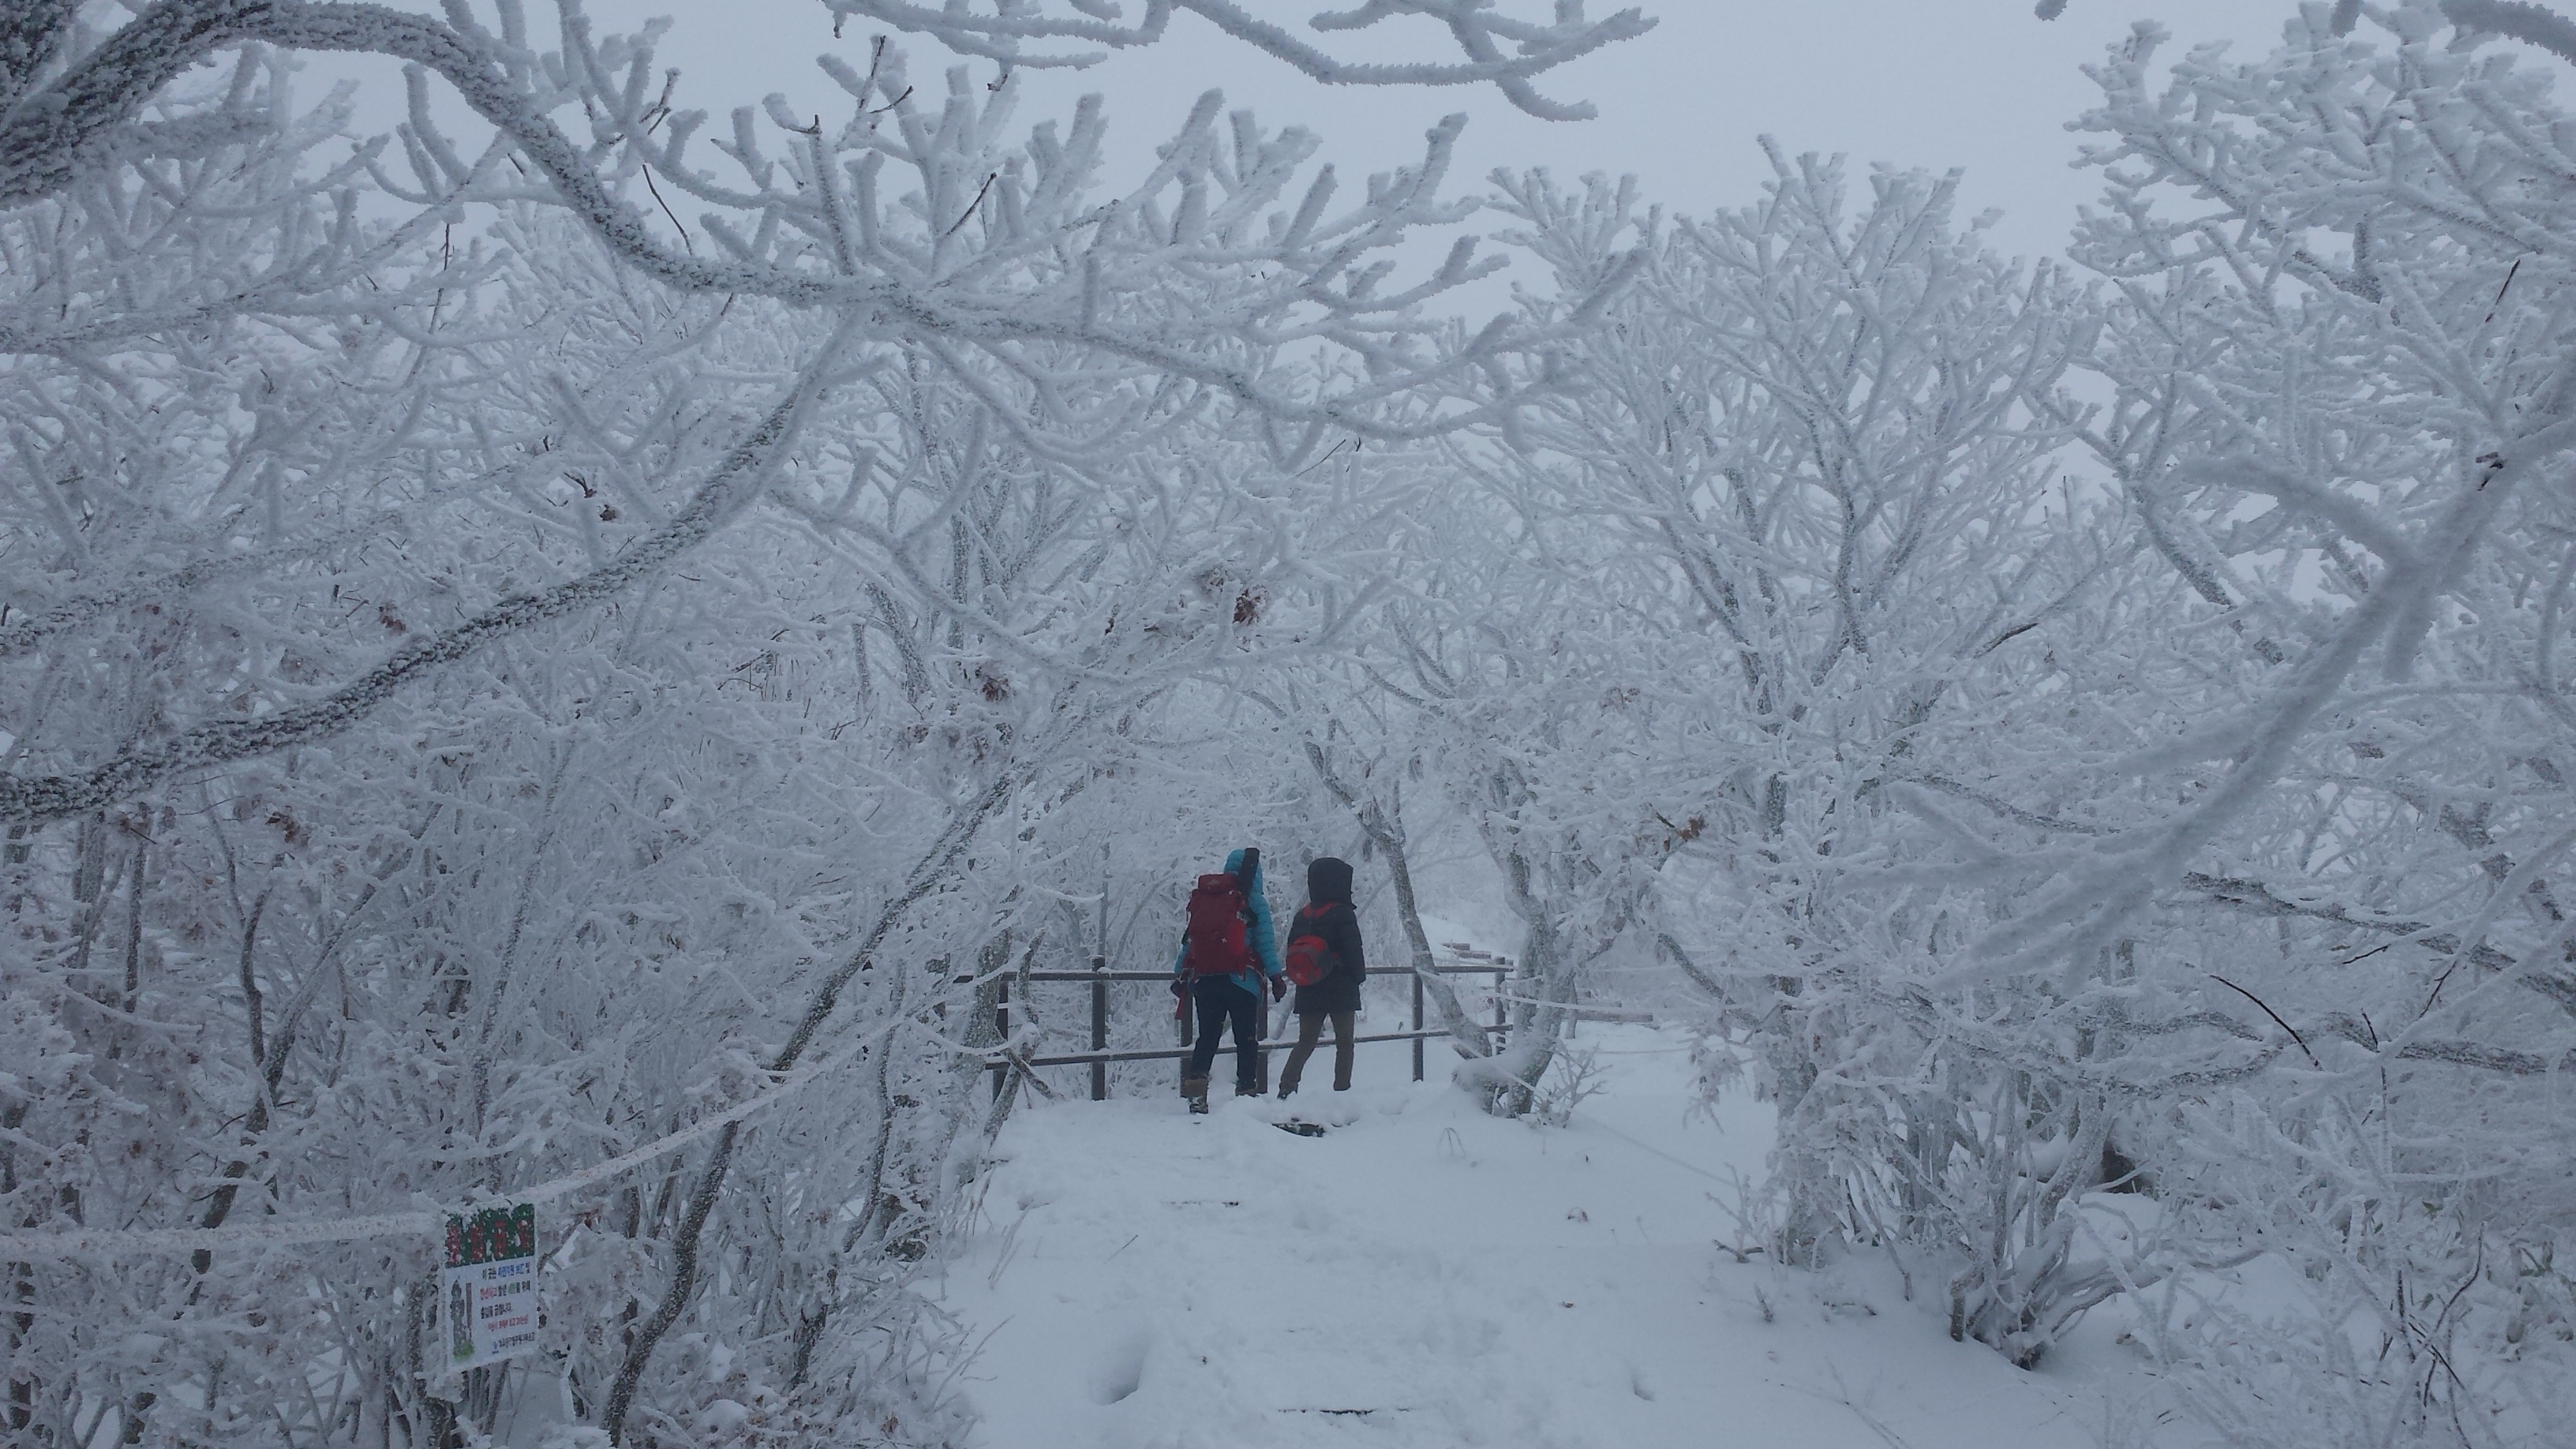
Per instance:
(1977,84)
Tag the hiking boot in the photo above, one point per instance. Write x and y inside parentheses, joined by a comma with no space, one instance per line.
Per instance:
(1195,1090)
(1242,1089)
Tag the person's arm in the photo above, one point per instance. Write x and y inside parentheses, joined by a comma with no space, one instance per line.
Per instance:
(1265,943)
(1342,933)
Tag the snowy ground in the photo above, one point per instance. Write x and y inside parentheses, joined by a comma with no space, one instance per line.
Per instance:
(1424,1275)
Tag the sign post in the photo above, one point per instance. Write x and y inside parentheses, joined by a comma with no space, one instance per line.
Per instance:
(487,1293)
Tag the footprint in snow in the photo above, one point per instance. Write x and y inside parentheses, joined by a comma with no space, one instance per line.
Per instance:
(1120,1369)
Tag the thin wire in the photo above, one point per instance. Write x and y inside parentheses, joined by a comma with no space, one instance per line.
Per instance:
(387,1225)
(1657,1151)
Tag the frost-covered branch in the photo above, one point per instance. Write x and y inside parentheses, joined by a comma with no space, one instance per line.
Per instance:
(1480,31)
(2519,19)
(810,231)
(734,485)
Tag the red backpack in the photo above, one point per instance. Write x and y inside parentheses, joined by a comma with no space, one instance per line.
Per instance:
(1310,957)
(1218,944)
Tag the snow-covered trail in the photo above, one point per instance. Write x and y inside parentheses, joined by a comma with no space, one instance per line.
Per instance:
(1424,1275)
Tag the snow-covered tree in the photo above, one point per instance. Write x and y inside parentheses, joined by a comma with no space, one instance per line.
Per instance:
(1806,443)
(2323,834)
(501,680)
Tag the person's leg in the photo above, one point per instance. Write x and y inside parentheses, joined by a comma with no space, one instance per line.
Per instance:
(1344,1024)
(1310,1029)
(1261,1032)
(1212,1015)
(1246,1012)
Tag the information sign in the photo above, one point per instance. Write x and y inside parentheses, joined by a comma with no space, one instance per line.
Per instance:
(487,1293)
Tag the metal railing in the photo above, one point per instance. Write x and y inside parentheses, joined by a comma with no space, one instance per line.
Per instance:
(1100,1056)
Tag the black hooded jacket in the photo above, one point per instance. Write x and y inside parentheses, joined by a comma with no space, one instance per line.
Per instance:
(1331,916)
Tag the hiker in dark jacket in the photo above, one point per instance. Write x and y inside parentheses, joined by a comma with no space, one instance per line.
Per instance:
(1330,915)
(1223,991)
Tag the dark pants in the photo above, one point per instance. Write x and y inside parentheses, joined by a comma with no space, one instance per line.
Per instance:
(1221,1001)
(1310,1030)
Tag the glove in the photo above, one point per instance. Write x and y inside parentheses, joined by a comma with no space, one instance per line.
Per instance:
(1279,988)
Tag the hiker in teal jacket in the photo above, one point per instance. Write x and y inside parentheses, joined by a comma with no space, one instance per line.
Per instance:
(1234,997)
(1265,944)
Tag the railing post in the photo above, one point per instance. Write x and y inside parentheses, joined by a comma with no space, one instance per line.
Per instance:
(1502,998)
(1001,1033)
(1099,1027)
(1189,1015)
(1417,1025)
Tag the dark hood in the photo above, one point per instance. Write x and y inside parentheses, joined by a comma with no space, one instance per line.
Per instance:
(1328,879)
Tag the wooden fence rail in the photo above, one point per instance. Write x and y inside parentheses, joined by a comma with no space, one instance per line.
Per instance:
(1099,1056)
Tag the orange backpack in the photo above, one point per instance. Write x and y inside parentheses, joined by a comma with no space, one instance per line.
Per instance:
(1310,957)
